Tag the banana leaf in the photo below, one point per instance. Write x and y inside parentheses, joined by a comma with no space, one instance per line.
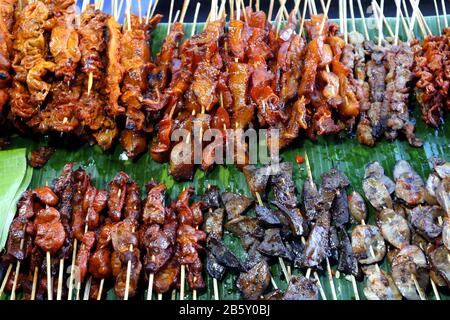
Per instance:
(341,151)
(15,176)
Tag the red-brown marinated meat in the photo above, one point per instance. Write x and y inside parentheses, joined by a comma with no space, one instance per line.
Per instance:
(133,203)
(40,156)
(64,43)
(84,253)
(154,210)
(114,70)
(50,233)
(117,194)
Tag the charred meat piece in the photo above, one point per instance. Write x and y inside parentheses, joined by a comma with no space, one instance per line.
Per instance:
(117,194)
(339,210)
(425,220)
(254,282)
(283,185)
(257,178)
(357,207)
(214,222)
(247,229)
(368,244)
(394,228)
(253,256)
(410,263)
(333,182)
(380,285)
(347,262)
(211,198)
(235,204)
(154,211)
(222,254)
(19,241)
(310,197)
(294,218)
(40,156)
(409,186)
(301,288)
(266,217)
(317,246)
(273,245)
(214,269)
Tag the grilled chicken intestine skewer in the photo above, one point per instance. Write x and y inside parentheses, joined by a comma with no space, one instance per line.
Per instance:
(157,235)
(188,240)
(18,238)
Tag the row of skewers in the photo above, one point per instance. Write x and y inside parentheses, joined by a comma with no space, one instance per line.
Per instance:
(113,239)
(88,76)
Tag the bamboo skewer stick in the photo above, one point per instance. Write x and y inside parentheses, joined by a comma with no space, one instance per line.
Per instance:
(404,22)
(194,24)
(418,288)
(183,10)
(383,18)
(379,26)
(352,15)
(119,10)
(60,279)
(139,11)
(16,274)
(170,16)
(363,18)
(87,288)
(100,289)
(420,21)
(127,280)
(182,283)
(72,268)
(438,17)
(444,11)
(49,277)
(269,15)
(397,25)
(34,285)
(154,8)
(302,24)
